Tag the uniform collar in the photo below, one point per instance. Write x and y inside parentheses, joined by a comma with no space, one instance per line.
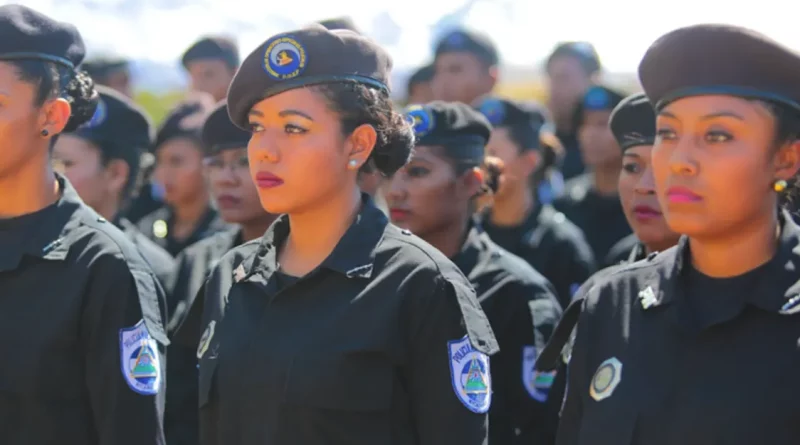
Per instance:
(41,234)
(353,256)
(778,289)
(470,252)
(637,253)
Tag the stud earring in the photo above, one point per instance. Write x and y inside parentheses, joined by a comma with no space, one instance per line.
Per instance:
(45,133)
(780,185)
(353,163)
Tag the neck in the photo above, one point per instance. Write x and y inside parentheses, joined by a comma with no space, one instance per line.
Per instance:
(512,211)
(449,239)
(30,189)
(190,212)
(255,228)
(316,232)
(108,210)
(606,180)
(738,251)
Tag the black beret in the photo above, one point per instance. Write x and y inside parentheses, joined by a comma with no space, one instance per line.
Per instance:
(720,59)
(583,51)
(119,128)
(452,125)
(422,75)
(220,134)
(185,120)
(308,56)
(503,112)
(468,41)
(633,122)
(28,34)
(100,67)
(215,47)
(340,23)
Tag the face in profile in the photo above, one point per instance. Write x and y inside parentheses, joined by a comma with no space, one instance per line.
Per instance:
(426,196)
(639,201)
(81,162)
(460,77)
(232,187)
(517,164)
(714,164)
(298,154)
(179,168)
(598,146)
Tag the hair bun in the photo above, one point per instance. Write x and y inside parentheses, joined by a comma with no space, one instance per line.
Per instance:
(393,149)
(83,98)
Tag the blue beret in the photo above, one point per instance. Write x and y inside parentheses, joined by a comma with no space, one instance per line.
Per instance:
(453,125)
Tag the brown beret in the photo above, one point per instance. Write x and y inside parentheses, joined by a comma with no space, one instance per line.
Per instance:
(185,120)
(308,56)
(339,23)
(720,59)
(220,134)
(29,34)
(633,122)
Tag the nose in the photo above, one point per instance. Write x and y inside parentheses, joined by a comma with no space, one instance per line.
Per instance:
(262,148)
(396,190)
(681,161)
(646,184)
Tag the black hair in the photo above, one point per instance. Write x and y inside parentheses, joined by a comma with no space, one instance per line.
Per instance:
(787,130)
(135,172)
(525,138)
(422,75)
(53,81)
(358,104)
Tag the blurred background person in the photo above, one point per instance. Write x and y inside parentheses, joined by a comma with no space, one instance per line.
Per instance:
(211,63)
(419,90)
(110,71)
(465,67)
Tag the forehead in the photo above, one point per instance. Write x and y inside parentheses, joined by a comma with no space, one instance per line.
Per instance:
(456,58)
(563,64)
(701,106)
(178,146)
(72,145)
(305,100)
(199,65)
(596,115)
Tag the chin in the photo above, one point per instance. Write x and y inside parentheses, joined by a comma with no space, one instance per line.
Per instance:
(692,225)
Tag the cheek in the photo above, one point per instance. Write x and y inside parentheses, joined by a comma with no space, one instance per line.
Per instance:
(627,183)
(660,165)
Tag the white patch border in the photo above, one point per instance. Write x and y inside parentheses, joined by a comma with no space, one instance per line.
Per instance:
(454,345)
(125,357)
(615,365)
(205,339)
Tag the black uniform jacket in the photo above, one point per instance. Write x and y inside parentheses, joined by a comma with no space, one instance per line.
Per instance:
(159,260)
(600,218)
(153,226)
(180,420)
(656,361)
(553,245)
(366,349)
(627,250)
(523,311)
(82,318)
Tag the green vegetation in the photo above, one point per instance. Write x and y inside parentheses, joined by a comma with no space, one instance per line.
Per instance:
(157,106)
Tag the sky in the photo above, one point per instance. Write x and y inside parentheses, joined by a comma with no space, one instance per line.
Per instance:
(524,30)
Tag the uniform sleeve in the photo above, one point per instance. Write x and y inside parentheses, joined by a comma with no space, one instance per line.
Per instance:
(577,388)
(437,324)
(122,332)
(577,263)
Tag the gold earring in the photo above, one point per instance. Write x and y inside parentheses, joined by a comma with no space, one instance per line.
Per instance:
(780,185)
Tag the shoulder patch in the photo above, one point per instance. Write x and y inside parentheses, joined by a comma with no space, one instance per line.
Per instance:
(469,372)
(537,383)
(139,359)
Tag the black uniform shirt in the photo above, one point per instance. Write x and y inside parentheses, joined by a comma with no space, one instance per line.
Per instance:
(523,310)
(81,314)
(553,245)
(159,260)
(372,347)
(158,227)
(665,356)
(599,217)
(180,420)
(626,250)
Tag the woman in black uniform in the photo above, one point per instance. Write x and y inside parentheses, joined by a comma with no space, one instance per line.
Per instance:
(633,123)
(101,160)
(591,200)
(187,216)
(335,327)
(698,345)
(433,196)
(80,310)
(518,222)
(233,189)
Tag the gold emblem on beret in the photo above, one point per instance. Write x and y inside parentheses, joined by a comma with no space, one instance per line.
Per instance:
(285,58)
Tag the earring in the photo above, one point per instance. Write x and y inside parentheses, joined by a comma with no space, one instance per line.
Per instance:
(779,185)
(45,133)
(353,163)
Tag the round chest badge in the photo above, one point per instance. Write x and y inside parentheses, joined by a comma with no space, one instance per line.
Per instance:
(421,119)
(285,58)
(606,379)
(160,228)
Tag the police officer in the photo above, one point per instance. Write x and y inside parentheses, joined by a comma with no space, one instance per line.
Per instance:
(418,89)
(188,215)
(633,123)
(80,311)
(101,160)
(537,232)
(234,191)
(591,200)
(433,197)
(466,67)
(211,63)
(664,347)
(336,327)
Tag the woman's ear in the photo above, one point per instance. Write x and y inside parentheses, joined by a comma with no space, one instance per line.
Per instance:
(787,161)
(54,116)
(360,144)
(472,182)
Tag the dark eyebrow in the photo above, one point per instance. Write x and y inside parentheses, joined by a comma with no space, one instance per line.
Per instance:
(255,113)
(631,154)
(286,113)
(730,114)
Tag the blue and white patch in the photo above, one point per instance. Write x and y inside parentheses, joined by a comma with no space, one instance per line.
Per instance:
(597,99)
(494,110)
(537,383)
(139,359)
(285,58)
(469,372)
(421,119)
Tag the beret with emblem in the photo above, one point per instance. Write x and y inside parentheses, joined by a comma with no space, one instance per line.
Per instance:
(215,48)
(119,128)
(28,34)
(633,122)
(220,134)
(462,130)
(186,119)
(597,98)
(468,41)
(525,120)
(720,59)
(310,56)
